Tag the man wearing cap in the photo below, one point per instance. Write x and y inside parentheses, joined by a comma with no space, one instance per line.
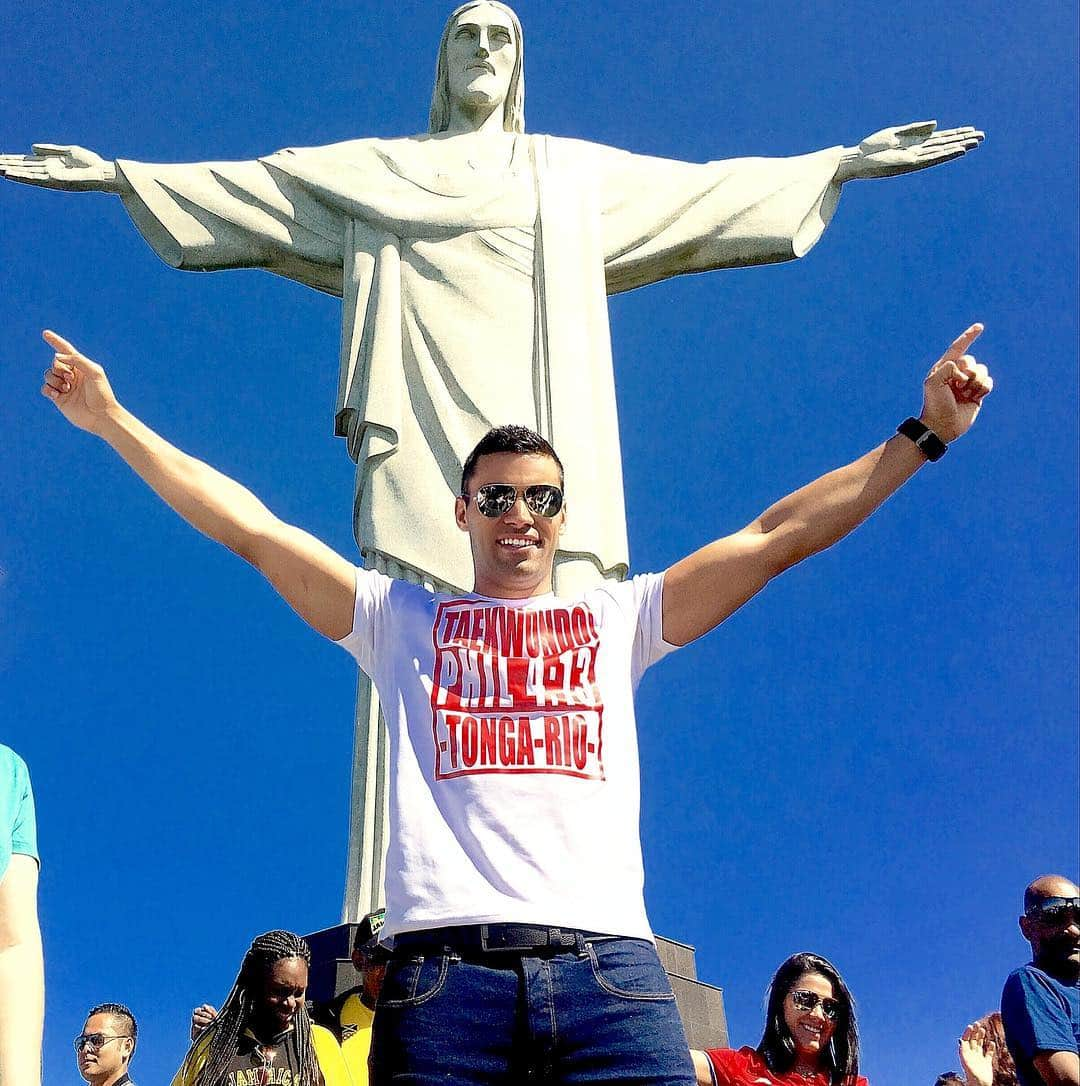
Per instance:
(351,1015)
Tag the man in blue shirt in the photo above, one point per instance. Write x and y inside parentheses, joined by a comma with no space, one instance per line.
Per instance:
(22,986)
(1040,1005)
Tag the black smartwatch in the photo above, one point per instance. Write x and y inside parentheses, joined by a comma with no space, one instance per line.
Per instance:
(928,443)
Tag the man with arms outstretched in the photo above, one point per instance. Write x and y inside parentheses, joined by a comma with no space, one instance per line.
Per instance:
(514,875)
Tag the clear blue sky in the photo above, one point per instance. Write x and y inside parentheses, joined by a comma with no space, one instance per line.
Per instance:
(870,761)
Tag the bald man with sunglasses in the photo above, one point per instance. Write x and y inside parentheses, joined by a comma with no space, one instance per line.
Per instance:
(1040,1004)
(514,874)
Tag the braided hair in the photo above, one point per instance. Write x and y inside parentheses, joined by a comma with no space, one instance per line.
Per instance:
(239,1008)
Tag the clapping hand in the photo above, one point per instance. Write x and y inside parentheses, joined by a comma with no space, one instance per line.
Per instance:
(977,1052)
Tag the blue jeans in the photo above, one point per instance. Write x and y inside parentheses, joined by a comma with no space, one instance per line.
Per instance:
(600,1012)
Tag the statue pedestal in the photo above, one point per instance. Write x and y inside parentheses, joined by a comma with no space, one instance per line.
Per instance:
(332,971)
(701,1005)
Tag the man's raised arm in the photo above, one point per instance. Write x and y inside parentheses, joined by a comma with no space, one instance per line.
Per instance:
(703,589)
(316,582)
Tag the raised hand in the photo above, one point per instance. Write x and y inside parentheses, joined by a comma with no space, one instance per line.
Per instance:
(977,1052)
(77,386)
(55,166)
(955,388)
(905,149)
(201,1017)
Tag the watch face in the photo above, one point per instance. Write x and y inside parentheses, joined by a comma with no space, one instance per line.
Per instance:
(931,445)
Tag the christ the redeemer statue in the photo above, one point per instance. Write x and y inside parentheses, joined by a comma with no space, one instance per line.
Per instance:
(473,263)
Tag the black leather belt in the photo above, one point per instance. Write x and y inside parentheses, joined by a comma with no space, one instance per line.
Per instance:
(494,939)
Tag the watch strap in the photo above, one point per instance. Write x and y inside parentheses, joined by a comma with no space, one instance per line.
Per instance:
(928,443)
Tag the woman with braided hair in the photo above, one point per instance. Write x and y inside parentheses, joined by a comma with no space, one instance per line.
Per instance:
(262,1036)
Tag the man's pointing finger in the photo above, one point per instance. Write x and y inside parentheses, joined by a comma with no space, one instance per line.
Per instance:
(959,346)
(58,342)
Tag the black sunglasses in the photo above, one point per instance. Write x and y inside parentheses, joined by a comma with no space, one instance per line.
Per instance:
(807,1001)
(1056,912)
(497,499)
(96,1040)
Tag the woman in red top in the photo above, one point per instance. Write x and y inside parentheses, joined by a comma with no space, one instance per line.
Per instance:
(810,1037)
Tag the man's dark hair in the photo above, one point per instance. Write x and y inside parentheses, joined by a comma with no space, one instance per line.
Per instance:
(508,439)
(118,1010)
(949,1078)
(840,1061)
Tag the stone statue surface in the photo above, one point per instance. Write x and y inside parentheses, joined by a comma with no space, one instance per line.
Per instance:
(473,263)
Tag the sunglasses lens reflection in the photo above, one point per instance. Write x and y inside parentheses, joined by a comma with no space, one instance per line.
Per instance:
(807,1001)
(497,499)
(545,501)
(1059,916)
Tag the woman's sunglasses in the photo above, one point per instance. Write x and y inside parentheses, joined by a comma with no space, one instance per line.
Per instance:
(807,1001)
(497,499)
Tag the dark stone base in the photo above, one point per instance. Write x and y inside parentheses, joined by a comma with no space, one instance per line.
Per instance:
(332,971)
(701,1005)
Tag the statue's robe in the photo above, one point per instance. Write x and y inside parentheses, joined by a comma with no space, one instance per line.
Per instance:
(473,298)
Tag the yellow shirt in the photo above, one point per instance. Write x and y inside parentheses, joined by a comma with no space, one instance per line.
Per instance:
(356,1020)
(326,1048)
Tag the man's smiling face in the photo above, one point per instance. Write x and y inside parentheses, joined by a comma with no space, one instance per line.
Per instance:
(513,553)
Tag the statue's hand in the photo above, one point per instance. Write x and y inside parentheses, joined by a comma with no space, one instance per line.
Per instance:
(53,166)
(905,149)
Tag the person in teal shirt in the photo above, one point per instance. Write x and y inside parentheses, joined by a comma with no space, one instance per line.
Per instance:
(22,984)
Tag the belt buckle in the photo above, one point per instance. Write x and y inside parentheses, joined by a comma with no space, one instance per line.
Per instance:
(488,946)
(533,937)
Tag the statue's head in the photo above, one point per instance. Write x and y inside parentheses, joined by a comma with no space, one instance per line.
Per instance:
(481,57)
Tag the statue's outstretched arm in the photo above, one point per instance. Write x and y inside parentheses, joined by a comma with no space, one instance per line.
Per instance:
(56,166)
(905,149)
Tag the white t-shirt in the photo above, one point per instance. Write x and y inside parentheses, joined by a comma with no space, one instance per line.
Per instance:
(514,781)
